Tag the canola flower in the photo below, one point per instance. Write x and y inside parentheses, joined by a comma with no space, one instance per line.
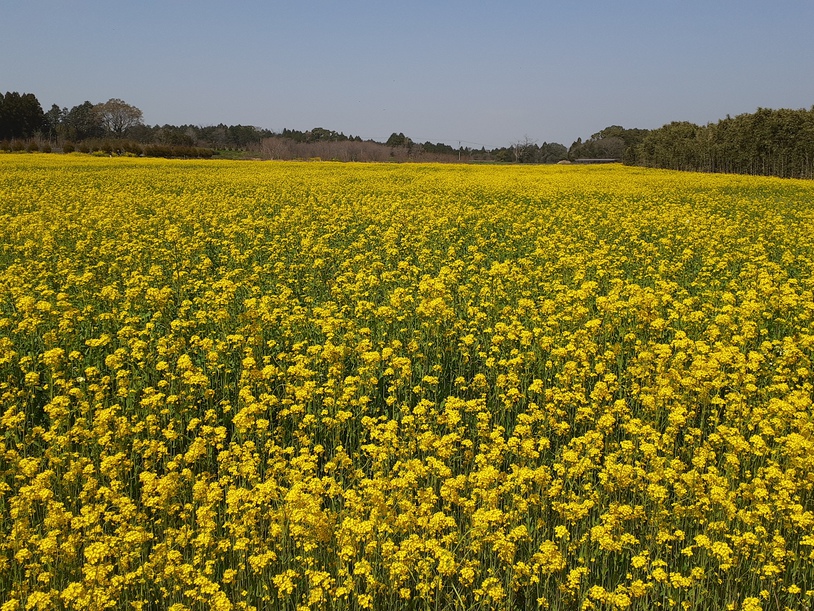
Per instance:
(318,386)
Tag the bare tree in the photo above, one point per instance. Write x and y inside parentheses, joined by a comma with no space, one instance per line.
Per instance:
(524,150)
(117,116)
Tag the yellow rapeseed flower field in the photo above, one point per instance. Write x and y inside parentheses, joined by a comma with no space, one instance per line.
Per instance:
(301,386)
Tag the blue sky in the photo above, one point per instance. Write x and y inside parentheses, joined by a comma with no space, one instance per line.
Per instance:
(485,73)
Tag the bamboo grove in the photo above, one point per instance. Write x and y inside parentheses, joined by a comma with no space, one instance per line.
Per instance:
(300,386)
(764,143)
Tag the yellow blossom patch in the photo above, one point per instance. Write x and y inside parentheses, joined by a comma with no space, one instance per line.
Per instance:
(307,385)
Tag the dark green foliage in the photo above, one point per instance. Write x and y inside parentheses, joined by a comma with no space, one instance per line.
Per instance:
(21,115)
(317,134)
(398,140)
(174,136)
(613,142)
(438,148)
(530,152)
(172,151)
(53,120)
(767,143)
(83,122)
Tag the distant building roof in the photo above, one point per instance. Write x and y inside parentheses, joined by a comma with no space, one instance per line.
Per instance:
(596,160)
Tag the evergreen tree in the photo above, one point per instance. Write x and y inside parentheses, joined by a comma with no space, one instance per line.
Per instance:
(83,122)
(21,115)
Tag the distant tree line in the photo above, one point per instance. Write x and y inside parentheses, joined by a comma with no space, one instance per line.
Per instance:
(116,127)
(112,127)
(356,149)
(326,144)
(766,142)
(613,142)
(318,134)
(528,151)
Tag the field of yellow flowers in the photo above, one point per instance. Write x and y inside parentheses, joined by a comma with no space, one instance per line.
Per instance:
(319,386)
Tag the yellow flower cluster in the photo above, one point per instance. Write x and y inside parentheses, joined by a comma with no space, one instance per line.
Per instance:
(304,386)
